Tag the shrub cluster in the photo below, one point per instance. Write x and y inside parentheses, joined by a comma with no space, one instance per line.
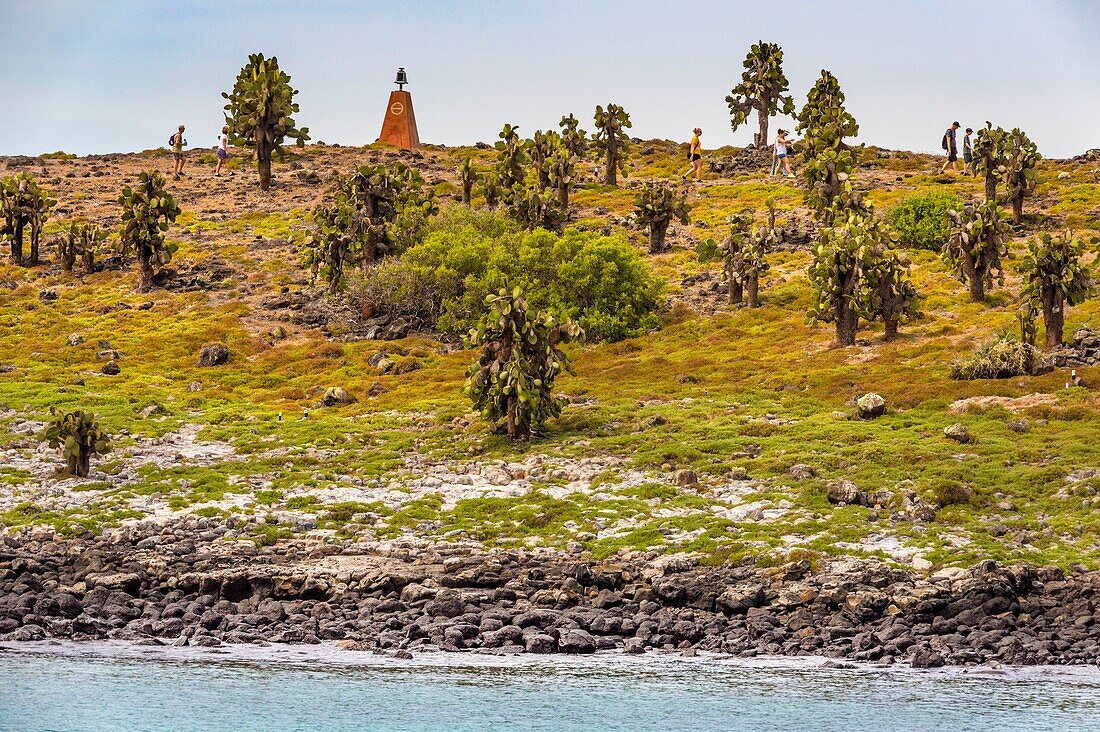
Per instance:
(442,282)
(922,221)
(1001,358)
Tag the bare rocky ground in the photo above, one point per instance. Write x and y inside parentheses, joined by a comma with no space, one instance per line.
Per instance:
(182,585)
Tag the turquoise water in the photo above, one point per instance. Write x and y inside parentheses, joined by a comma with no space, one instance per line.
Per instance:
(108,687)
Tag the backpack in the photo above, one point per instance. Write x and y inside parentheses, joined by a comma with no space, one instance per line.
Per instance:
(944,143)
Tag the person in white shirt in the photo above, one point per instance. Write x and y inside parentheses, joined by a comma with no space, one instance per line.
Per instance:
(782,160)
(222,151)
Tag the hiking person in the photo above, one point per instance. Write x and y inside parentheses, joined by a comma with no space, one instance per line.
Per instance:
(222,152)
(968,153)
(695,155)
(952,149)
(177,151)
(781,156)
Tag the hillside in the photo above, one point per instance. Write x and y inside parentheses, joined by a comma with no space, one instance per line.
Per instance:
(719,434)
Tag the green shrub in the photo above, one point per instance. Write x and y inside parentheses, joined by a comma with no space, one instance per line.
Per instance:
(921,220)
(442,282)
(952,493)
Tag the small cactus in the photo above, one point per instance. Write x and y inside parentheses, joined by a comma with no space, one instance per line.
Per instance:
(79,436)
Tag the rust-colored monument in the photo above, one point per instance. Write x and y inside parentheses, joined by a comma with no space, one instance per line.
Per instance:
(399,127)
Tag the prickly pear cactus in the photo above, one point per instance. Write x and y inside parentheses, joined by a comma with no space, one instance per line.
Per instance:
(1055,278)
(512,152)
(573,137)
(147,212)
(828,164)
(562,169)
(1020,173)
(521,356)
(763,88)
(81,240)
(79,436)
(610,140)
(655,208)
(259,111)
(978,242)
(25,207)
(467,176)
(536,208)
(490,188)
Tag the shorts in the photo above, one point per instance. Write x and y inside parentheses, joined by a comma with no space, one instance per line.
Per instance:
(968,157)
(222,154)
(695,157)
(781,155)
(177,154)
(952,156)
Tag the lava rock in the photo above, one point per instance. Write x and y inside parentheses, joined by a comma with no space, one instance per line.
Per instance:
(213,354)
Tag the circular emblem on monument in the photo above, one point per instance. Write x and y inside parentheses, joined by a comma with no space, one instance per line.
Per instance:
(397,108)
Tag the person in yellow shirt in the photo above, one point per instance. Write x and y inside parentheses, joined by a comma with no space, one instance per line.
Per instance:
(695,154)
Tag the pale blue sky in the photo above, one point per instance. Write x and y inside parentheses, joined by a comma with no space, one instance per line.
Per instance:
(119,75)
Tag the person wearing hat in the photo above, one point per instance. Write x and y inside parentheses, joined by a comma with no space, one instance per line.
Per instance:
(695,154)
(951,149)
(782,160)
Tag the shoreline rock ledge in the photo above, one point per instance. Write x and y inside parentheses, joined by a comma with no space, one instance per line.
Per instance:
(184,585)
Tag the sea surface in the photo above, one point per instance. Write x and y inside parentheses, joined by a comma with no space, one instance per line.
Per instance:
(105,686)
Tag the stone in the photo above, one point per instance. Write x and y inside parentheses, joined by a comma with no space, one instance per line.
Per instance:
(845,493)
(111,368)
(799,471)
(75,339)
(194,387)
(870,405)
(1018,425)
(336,395)
(686,478)
(577,641)
(151,411)
(958,433)
(376,389)
(927,658)
(213,354)
(384,365)
(539,643)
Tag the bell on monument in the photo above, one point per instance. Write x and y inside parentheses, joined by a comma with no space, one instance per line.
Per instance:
(399,126)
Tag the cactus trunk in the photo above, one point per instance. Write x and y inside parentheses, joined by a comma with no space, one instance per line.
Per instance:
(1054,315)
(17,243)
(78,465)
(89,262)
(32,258)
(990,188)
(67,261)
(891,329)
(761,137)
(847,322)
(657,231)
(563,197)
(1017,208)
(263,158)
(752,290)
(145,271)
(467,191)
(612,161)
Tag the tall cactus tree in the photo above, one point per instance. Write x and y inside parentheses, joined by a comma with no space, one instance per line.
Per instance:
(979,239)
(541,148)
(892,296)
(1020,174)
(147,212)
(1055,278)
(727,252)
(611,142)
(763,89)
(25,207)
(573,137)
(259,112)
(467,176)
(751,261)
(828,164)
(536,208)
(490,188)
(989,157)
(842,273)
(513,156)
(562,167)
(655,208)
(521,356)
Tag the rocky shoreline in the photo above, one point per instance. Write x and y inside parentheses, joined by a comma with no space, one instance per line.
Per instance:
(185,585)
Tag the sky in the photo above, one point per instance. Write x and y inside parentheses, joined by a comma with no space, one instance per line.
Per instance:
(119,75)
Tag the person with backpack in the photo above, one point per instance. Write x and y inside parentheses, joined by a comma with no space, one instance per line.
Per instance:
(222,151)
(177,142)
(952,150)
(695,155)
(781,158)
(968,153)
